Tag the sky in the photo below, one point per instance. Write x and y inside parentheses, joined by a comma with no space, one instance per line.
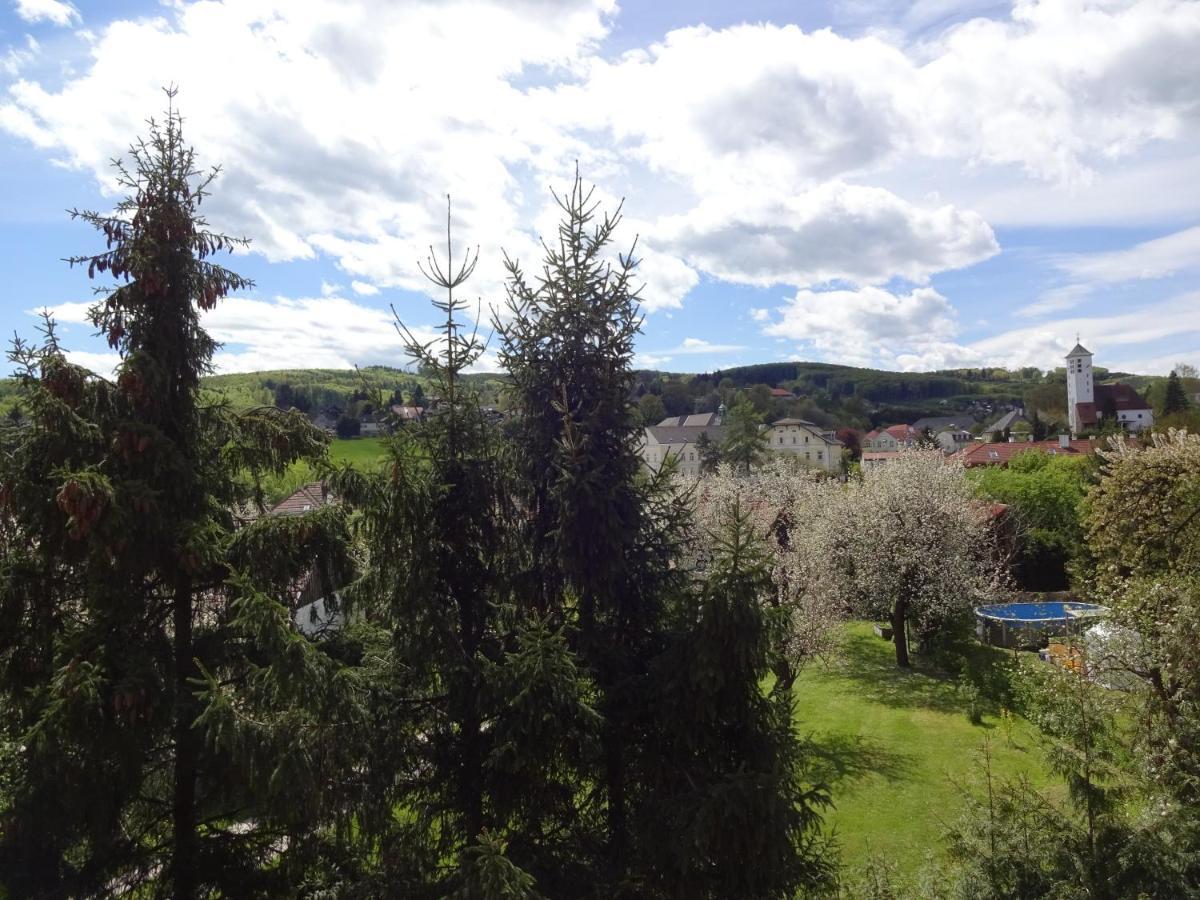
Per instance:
(904,185)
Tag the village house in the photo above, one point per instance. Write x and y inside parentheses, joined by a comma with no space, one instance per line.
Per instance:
(676,436)
(805,440)
(891,438)
(1014,422)
(999,454)
(1087,402)
(312,613)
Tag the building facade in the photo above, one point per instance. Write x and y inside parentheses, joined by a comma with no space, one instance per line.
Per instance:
(804,440)
(1088,402)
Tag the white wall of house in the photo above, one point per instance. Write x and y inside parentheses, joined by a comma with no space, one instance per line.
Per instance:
(807,444)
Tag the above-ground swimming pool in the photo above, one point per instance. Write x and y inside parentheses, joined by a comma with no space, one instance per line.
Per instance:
(1030,624)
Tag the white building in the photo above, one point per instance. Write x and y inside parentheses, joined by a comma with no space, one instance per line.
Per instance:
(1088,402)
(806,441)
(676,436)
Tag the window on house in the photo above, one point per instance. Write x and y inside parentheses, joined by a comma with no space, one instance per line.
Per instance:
(691,457)
(806,454)
(793,439)
(820,454)
(781,439)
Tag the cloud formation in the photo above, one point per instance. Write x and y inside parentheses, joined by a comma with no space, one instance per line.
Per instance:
(56,12)
(852,168)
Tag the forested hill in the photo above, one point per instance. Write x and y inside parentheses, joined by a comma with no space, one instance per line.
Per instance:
(823,392)
(830,394)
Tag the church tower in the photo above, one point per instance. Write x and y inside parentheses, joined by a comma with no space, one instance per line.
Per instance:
(1079,384)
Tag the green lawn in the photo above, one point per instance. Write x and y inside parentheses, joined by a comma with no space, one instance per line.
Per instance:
(356,451)
(892,744)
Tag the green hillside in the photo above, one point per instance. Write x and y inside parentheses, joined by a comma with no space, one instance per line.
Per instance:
(825,393)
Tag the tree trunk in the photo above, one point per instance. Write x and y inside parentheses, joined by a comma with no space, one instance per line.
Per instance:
(899,633)
(618,837)
(186,749)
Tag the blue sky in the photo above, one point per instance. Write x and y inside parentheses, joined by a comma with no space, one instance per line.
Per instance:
(909,185)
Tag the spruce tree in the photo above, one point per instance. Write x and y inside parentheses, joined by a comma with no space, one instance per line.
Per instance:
(482,716)
(606,541)
(745,442)
(1176,400)
(729,813)
(150,668)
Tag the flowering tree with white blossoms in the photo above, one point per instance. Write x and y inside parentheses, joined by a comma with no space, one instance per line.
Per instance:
(915,547)
(794,510)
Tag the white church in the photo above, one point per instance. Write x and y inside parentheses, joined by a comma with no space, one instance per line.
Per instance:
(1087,402)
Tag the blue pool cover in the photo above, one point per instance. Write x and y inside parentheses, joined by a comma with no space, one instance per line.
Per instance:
(1032,613)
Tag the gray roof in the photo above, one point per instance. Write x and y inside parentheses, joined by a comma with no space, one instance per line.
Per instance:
(937,423)
(696,420)
(1079,351)
(794,422)
(1007,421)
(684,434)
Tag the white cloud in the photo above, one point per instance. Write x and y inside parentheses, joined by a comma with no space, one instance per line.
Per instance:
(1118,340)
(836,232)
(1156,258)
(1054,89)
(16,58)
(650,361)
(1055,299)
(760,314)
(667,279)
(333,133)
(280,332)
(697,346)
(755,154)
(103,364)
(56,12)
(867,326)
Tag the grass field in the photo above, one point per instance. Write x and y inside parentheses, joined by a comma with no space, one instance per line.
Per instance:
(893,743)
(356,451)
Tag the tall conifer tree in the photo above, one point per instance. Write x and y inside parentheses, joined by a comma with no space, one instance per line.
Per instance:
(151,669)
(483,718)
(607,540)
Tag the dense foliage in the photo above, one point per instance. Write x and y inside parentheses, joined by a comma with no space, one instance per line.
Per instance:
(150,670)
(1045,495)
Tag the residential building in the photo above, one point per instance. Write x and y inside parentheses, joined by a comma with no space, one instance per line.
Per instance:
(952,440)
(806,441)
(891,438)
(874,459)
(961,421)
(1012,421)
(1000,454)
(1088,402)
(314,599)
(676,436)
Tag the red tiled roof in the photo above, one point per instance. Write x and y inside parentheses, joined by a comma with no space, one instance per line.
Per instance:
(1122,396)
(781,392)
(1000,454)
